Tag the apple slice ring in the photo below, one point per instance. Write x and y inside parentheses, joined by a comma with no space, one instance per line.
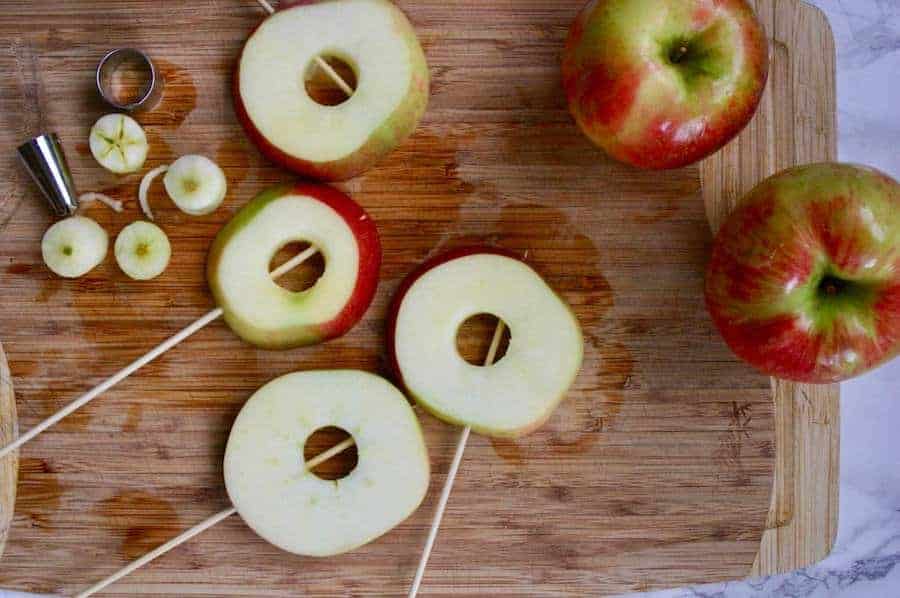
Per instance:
(517,394)
(269,316)
(304,514)
(275,490)
(331,143)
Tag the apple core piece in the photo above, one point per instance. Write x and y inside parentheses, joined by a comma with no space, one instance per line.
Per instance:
(142,250)
(331,142)
(519,392)
(196,185)
(118,143)
(270,316)
(289,506)
(73,247)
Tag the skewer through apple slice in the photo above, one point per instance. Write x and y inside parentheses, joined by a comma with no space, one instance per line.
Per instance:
(240,262)
(509,398)
(275,490)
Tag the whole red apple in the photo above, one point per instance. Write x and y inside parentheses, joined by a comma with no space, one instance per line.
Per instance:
(804,282)
(664,83)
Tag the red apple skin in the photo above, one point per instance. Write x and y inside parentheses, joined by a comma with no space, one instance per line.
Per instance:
(804,281)
(630,98)
(393,131)
(369,244)
(410,280)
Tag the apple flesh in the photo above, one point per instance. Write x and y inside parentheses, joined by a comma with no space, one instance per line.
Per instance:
(519,392)
(664,83)
(269,316)
(331,143)
(292,508)
(804,281)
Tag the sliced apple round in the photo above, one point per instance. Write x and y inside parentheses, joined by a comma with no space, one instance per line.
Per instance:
(269,316)
(118,143)
(73,247)
(143,250)
(375,39)
(519,392)
(292,508)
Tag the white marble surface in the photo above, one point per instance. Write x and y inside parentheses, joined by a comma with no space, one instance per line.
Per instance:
(866,559)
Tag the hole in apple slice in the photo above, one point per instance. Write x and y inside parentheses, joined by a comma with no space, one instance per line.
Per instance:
(473,339)
(339,466)
(321,85)
(303,277)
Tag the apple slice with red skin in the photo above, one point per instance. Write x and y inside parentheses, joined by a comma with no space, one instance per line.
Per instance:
(664,83)
(331,143)
(269,316)
(804,281)
(516,394)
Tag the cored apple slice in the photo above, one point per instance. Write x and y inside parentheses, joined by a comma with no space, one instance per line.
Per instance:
(519,392)
(292,508)
(143,250)
(376,40)
(73,247)
(118,143)
(269,316)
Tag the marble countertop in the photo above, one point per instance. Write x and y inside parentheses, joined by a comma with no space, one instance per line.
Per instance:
(866,559)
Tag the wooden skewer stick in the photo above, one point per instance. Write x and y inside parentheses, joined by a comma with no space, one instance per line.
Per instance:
(199,528)
(143,360)
(338,80)
(451,477)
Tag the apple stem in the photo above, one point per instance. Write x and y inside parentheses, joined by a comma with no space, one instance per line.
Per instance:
(451,476)
(200,527)
(679,54)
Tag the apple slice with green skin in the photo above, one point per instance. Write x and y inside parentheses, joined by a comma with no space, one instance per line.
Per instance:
(331,143)
(73,247)
(143,250)
(292,508)
(518,393)
(664,83)
(118,143)
(196,185)
(804,282)
(269,316)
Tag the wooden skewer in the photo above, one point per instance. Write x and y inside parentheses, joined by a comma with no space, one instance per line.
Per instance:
(199,528)
(338,80)
(451,477)
(143,360)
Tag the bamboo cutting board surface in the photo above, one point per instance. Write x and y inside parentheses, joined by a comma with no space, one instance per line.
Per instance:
(656,471)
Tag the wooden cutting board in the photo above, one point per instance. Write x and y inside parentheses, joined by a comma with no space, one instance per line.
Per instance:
(658,469)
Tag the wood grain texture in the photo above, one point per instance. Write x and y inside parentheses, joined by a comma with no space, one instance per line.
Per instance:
(655,472)
(795,125)
(9,466)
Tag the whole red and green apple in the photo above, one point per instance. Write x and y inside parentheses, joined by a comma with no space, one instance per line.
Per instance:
(804,281)
(664,83)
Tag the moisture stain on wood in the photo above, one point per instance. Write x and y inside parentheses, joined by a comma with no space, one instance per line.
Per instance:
(39,491)
(142,520)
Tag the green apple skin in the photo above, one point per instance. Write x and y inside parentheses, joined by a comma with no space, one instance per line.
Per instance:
(662,84)
(383,140)
(804,281)
(369,246)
